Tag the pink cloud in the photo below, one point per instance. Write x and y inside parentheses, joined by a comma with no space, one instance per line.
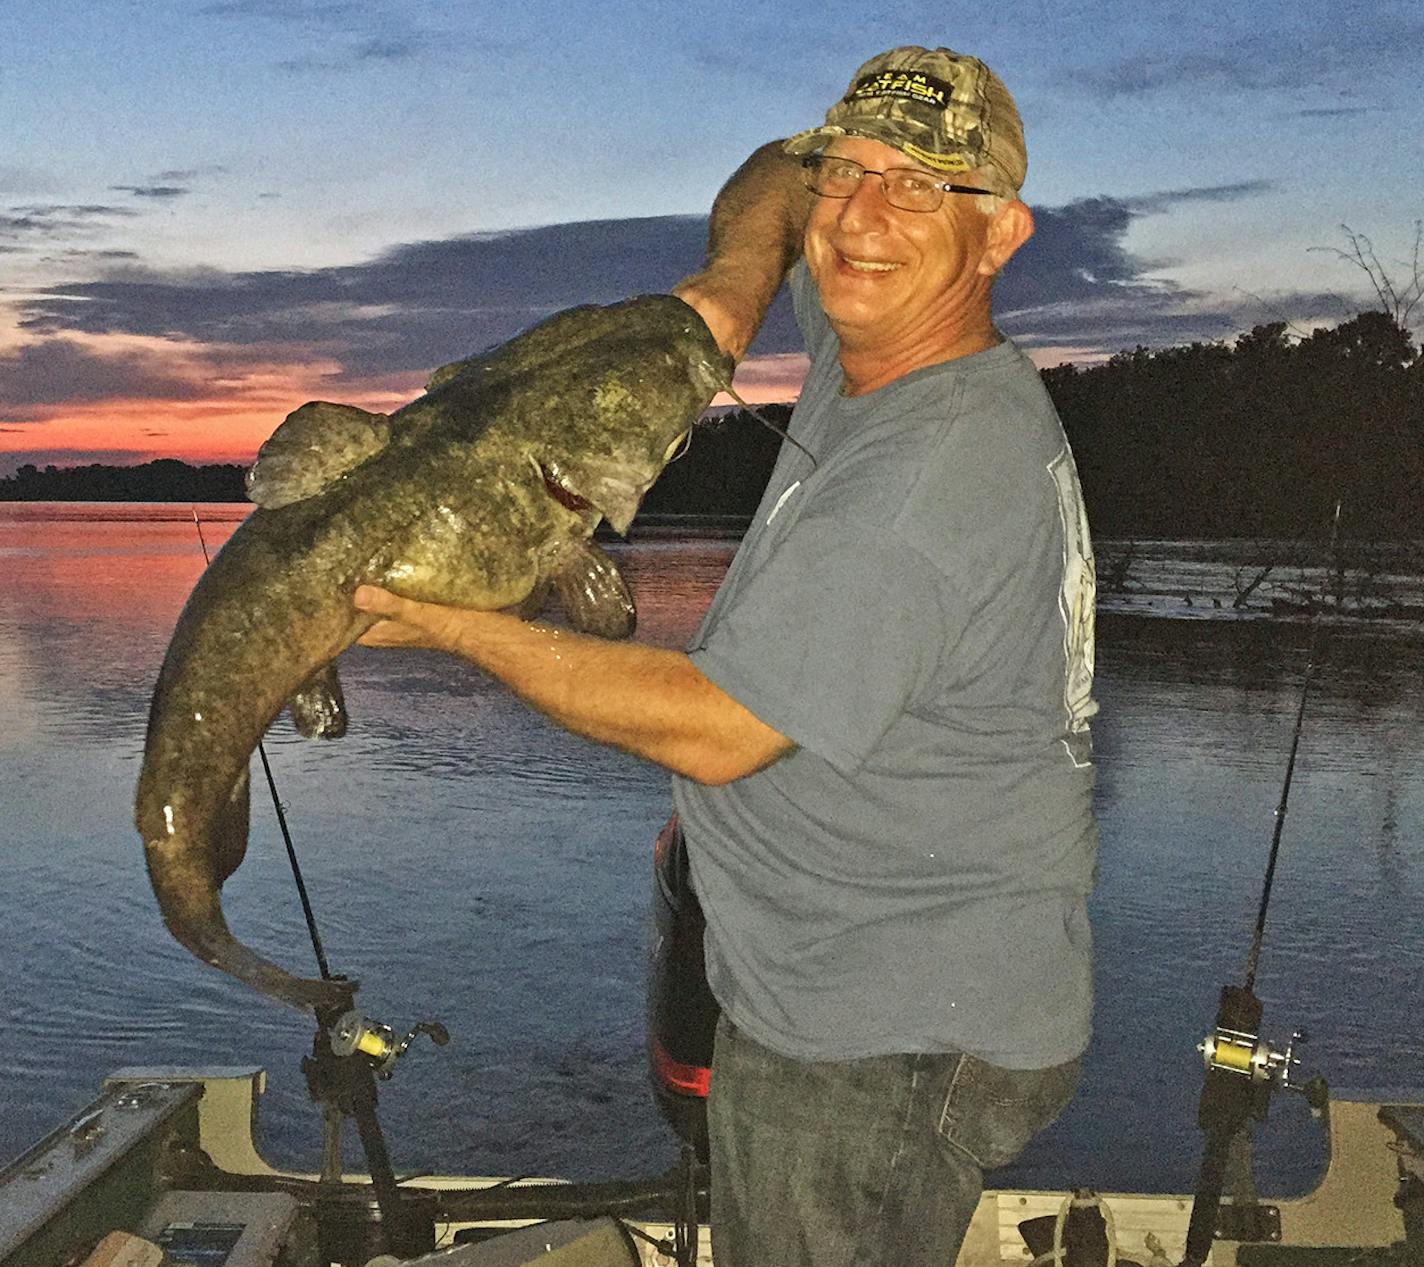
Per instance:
(134,398)
(768,380)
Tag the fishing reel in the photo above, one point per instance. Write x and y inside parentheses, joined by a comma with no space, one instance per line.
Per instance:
(353,1032)
(1245,1054)
(1237,1051)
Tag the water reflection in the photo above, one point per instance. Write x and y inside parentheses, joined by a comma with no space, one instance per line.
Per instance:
(471,862)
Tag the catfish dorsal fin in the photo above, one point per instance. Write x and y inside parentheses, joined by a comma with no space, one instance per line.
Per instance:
(314,447)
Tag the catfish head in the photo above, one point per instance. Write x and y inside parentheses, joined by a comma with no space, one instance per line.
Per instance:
(630,410)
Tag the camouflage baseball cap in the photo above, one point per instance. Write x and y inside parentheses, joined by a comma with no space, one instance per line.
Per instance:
(943,109)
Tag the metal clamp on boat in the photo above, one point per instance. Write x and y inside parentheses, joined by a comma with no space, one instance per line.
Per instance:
(348,1051)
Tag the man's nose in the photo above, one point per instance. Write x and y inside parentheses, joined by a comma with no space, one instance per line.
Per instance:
(866,207)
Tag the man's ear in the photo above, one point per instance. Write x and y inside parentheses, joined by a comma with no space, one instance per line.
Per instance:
(1009,228)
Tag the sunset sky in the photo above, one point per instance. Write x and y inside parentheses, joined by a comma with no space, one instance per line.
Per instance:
(211,212)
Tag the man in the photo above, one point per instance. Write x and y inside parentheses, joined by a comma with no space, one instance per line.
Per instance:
(880,732)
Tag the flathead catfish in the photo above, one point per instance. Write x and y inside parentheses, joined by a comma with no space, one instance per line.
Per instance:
(484,492)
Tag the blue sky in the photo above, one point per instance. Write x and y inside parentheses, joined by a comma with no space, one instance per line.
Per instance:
(212,211)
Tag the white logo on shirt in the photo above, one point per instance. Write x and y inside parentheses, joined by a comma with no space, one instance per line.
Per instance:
(781,501)
(1076,604)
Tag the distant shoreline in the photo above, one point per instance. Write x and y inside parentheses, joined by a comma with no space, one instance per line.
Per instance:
(647,526)
(714,490)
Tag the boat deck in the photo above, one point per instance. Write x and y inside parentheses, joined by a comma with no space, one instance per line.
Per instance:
(128,1161)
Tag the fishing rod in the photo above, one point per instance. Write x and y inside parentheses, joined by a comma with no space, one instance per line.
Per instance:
(1241,1068)
(1314,649)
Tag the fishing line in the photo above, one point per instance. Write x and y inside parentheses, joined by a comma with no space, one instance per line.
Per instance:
(1314,648)
(281,816)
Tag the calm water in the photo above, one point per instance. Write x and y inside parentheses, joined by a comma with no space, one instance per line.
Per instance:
(471,863)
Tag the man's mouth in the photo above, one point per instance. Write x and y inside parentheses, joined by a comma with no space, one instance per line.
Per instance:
(868,266)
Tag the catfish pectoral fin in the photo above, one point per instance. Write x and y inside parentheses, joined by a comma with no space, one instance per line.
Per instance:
(318,707)
(593,593)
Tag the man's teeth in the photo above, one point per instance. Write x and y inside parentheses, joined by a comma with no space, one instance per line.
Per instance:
(870,266)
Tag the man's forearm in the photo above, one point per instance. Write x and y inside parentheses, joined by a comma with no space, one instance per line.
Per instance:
(649,701)
(754,236)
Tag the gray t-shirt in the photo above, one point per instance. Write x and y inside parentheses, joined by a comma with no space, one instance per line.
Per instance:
(916,613)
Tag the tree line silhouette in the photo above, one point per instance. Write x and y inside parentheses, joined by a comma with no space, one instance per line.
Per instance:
(164,480)
(1258,437)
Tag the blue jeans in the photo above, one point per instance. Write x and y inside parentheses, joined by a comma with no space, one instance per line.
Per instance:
(861,1163)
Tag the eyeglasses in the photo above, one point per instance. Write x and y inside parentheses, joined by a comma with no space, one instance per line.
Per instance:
(905,187)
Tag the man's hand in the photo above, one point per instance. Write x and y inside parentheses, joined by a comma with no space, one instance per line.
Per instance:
(731,318)
(406,623)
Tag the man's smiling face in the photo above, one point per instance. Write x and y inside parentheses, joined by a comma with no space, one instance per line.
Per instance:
(896,279)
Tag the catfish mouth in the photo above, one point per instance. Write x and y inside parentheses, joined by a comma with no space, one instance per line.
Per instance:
(610,494)
(555,486)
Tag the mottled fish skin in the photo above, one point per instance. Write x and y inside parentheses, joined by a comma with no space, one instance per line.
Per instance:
(484,493)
